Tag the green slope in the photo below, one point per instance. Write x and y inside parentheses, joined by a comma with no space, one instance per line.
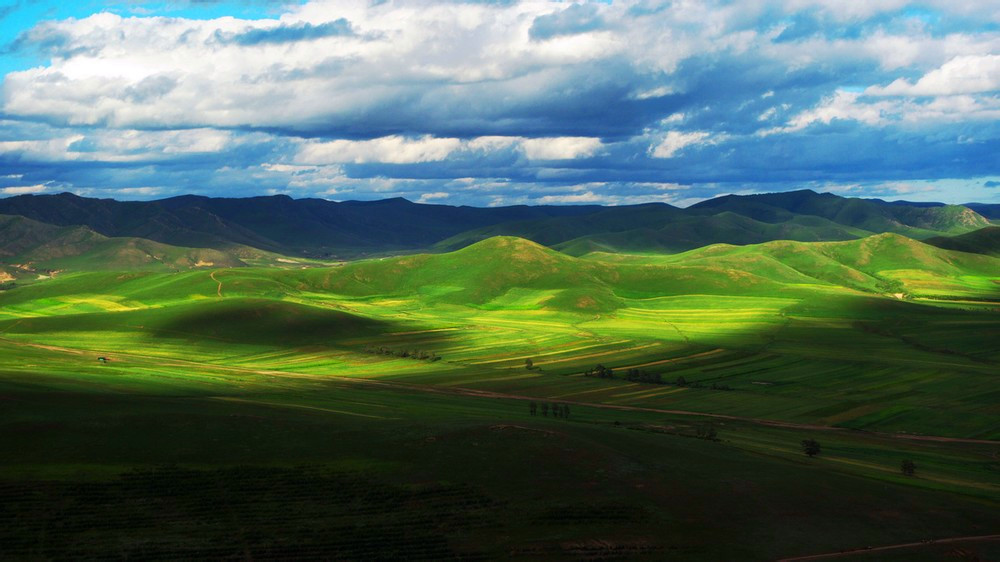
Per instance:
(235,320)
(984,241)
(32,247)
(884,263)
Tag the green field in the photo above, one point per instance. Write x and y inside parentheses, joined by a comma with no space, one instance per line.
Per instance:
(380,408)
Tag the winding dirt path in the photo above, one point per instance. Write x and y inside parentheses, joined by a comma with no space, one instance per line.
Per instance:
(219,290)
(852,552)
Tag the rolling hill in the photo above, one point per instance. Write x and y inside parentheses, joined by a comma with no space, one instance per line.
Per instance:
(29,248)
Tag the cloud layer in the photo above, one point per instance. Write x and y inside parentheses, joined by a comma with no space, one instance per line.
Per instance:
(512,102)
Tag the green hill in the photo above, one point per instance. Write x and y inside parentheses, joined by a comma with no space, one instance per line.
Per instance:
(29,248)
(884,263)
(984,241)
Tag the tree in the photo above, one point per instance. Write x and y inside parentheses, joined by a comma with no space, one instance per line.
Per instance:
(908,467)
(533,407)
(707,432)
(529,364)
(556,412)
(545,409)
(565,411)
(681,381)
(810,447)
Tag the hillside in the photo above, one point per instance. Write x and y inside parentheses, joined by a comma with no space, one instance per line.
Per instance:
(307,227)
(984,241)
(28,247)
(884,263)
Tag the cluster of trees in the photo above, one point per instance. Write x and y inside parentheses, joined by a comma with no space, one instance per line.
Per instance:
(412,354)
(707,432)
(7,285)
(558,410)
(601,372)
(637,375)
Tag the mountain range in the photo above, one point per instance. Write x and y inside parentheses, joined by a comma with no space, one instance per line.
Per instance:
(39,233)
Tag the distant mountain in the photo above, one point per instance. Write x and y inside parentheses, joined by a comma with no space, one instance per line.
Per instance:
(279,224)
(804,216)
(984,241)
(326,229)
(873,215)
(990,211)
(29,247)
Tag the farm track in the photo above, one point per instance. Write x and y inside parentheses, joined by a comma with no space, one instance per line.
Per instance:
(218,291)
(475,393)
(981,538)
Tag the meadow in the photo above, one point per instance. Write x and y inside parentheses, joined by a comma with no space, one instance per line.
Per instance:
(382,408)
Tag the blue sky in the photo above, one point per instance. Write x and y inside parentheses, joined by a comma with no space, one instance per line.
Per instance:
(501,102)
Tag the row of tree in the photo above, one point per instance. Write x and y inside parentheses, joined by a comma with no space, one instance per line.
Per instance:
(410,353)
(638,375)
(558,410)
(811,447)
(7,285)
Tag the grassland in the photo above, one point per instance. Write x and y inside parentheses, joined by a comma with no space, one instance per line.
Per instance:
(243,413)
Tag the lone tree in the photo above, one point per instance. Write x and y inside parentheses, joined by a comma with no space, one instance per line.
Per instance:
(908,467)
(529,364)
(533,407)
(565,411)
(810,447)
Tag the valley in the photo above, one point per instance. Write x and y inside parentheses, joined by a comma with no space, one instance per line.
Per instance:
(422,390)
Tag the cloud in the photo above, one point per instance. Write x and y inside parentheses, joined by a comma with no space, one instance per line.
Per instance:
(510,101)
(23,189)
(675,141)
(428,197)
(969,74)
(290,33)
(991,184)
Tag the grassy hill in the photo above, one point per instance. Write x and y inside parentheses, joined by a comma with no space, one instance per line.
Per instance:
(29,247)
(984,241)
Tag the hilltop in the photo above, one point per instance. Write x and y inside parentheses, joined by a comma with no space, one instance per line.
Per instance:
(28,247)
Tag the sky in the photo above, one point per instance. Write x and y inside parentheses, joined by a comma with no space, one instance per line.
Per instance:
(501,102)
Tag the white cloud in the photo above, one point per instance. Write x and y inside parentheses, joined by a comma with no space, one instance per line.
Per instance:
(23,189)
(425,197)
(674,141)
(969,74)
(393,149)
(560,148)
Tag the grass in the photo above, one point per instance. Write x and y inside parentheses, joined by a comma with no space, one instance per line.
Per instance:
(228,380)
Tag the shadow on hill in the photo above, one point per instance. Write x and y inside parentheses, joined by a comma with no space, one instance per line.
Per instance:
(235,320)
(261,321)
